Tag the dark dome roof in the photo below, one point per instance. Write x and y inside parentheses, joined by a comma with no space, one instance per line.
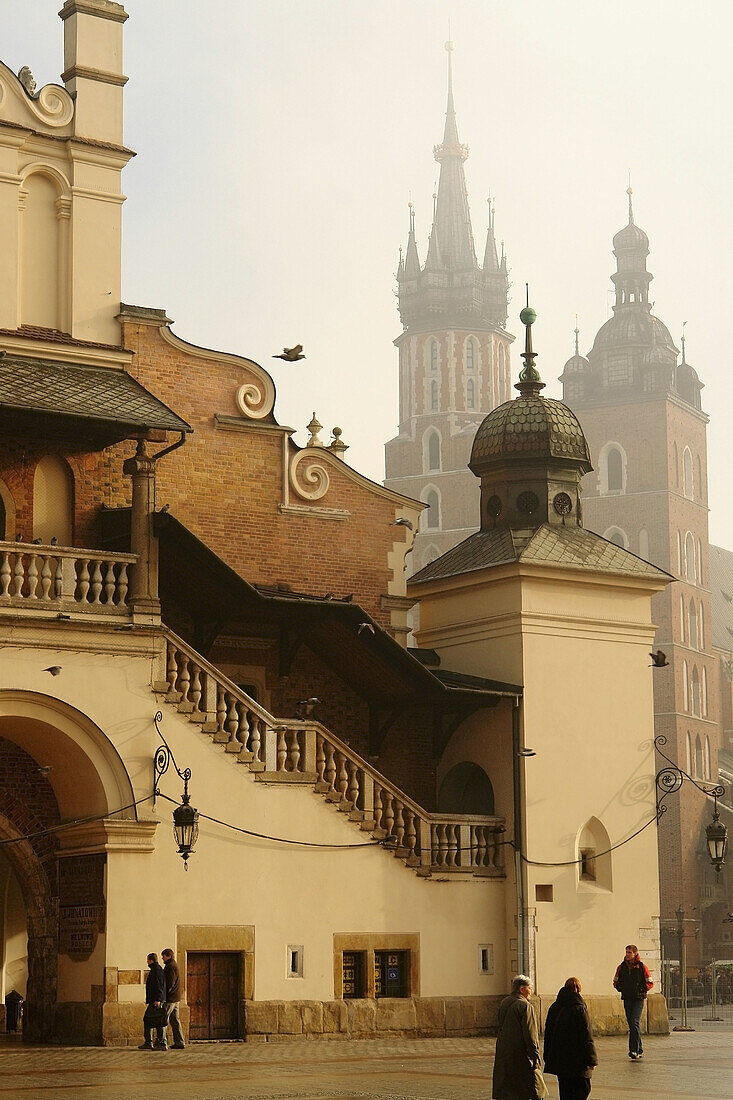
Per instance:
(631,236)
(529,427)
(577,364)
(633,326)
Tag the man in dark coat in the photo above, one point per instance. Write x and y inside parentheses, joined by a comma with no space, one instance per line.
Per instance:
(633,981)
(154,998)
(570,1052)
(172,997)
(516,1062)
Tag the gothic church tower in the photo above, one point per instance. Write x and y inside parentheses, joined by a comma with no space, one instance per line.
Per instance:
(453,356)
(642,416)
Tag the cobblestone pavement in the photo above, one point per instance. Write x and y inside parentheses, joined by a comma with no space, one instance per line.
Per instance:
(695,1065)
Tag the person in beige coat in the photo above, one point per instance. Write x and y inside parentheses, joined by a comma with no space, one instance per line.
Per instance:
(517,1074)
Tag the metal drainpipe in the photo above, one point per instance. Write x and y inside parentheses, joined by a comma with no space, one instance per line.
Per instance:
(518,842)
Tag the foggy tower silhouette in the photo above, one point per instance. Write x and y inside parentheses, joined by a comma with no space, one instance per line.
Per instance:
(453,355)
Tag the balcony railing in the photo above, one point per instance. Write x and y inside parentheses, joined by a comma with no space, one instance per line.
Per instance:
(63,578)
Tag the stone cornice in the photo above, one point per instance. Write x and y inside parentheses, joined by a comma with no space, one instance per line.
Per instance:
(94,74)
(108,835)
(103,9)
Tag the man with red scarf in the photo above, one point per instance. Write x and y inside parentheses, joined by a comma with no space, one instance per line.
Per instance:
(633,981)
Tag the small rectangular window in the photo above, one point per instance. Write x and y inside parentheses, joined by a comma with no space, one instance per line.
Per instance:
(295,960)
(486,958)
(354,974)
(544,892)
(391,973)
(588,864)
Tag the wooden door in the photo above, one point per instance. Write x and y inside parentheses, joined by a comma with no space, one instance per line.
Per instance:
(212,992)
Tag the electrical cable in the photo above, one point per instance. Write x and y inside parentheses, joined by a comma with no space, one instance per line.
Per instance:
(77,821)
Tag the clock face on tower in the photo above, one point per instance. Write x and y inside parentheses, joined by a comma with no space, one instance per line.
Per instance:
(562,504)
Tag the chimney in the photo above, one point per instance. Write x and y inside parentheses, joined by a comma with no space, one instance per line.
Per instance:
(93,67)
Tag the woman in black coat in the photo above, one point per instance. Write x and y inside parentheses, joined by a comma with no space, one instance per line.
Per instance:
(570,1052)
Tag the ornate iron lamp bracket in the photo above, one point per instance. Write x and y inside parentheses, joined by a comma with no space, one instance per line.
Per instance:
(162,761)
(669,780)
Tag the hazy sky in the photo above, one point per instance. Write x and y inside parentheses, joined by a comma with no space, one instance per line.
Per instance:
(278,142)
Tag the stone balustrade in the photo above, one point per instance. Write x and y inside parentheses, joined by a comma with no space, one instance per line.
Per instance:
(62,578)
(298,751)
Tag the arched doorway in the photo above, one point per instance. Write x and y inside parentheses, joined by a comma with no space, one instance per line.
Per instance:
(466,789)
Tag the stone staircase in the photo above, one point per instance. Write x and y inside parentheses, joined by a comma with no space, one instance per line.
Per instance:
(305,752)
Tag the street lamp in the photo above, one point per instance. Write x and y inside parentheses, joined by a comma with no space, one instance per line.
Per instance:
(717,838)
(185,816)
(669,780)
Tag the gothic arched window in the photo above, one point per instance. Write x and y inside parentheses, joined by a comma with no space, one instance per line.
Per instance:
(692,624)
(699,765)
(688,483)
(689,558)
(695,691)
(682,618)
(699,562)
(434,356)
(707,757)
(432,515)
(433,451)
(434,396)
(685,687)
(702,626)
(704,693)
(644,544)
(470,354)
(615,469)
(698,471)
(617,536)
(688,743)
(470,394)
(676,461)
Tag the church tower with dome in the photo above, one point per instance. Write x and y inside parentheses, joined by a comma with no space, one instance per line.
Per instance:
(641,411)
(453,354)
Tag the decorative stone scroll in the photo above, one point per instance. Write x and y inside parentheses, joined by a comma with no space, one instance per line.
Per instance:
(82,908)
(308,476)
(52,105)
(255,400)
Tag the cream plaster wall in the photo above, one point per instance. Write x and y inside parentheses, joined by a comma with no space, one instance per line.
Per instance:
(289,895)
(578,643)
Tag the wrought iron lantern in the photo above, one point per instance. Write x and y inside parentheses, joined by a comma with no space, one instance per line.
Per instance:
(717,838)
(669,780)
(185,816)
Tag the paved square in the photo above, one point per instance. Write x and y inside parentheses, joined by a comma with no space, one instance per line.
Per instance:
(692,1066)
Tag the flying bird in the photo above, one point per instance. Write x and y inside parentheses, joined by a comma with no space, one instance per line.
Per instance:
(291,355)
(53,669)
(659,659)
(403,523)
(365,626)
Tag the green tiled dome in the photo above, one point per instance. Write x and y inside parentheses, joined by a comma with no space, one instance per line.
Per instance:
(529,427)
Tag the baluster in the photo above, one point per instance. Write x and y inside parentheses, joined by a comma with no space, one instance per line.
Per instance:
(281,752)
(184,678)
(221,714)
(46,577)
(377,806)
(442,846)
(96,582)
(399,822)
(246,726)
(293,751)
(58,579)
(232,723)
(255,743)
(479,853)
(5,573)
(195,692)
(109,583)
(410,838)
(387,812)
(452,837)
(352,783)
(342,780)
(172,668)
(320,759)
(32,576)
(18,576)
(82,580)
(122,585)
(330,769)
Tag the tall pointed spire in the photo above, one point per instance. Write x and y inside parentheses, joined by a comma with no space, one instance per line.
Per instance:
(452,244)
(491,257)
(412,260)
(530,383)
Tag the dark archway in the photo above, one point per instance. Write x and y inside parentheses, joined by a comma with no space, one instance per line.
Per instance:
(466,789)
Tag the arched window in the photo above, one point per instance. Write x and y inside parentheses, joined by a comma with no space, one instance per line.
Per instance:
(593,855)
(470,354)
(699,562)
(431,554)
(617,536)
(433,451)
(644,544)
(434,356)
(704,692)
(615,470)
(432,514)
(698,471)
(688,484)
(53,501)
(702,626)
(470,394)
(679,554)
(682,618)
(695,692)
(7,513)
(699,763)
(676,460)
(434,396)
(707,758)
(466,789)
(688,743)
(689,558)
(40,252)
(685,687)
(692,624)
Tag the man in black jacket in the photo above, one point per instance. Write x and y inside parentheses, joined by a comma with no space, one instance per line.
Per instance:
(633,981)
(154,998)
(172,997)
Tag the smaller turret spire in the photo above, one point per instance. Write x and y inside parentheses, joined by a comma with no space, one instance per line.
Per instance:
(530,383)
(630,192)
(491,259)
(682,341)
(577,334)
(412,260)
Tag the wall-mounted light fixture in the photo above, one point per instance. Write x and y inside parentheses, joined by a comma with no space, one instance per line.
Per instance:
(185,816)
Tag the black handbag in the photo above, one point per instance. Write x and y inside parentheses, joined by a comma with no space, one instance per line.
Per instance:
(154,1017)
